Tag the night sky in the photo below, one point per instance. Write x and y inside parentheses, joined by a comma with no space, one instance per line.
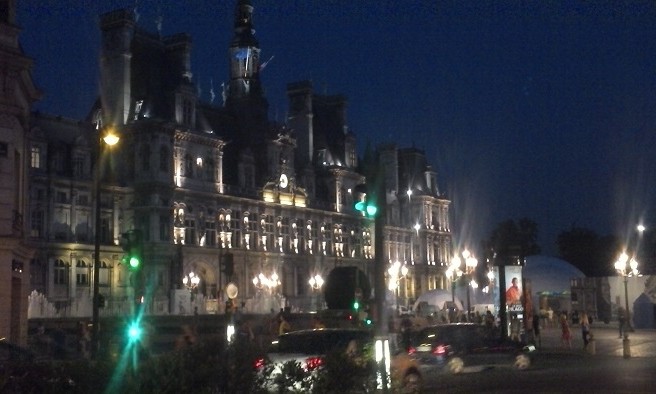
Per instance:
(539,109)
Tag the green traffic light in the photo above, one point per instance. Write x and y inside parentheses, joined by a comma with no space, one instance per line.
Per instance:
(368,322)
(134,262)
(371,210)
(134,332)
(360,206)
(356,305)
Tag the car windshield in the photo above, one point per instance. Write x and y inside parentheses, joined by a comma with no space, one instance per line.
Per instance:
(318,341)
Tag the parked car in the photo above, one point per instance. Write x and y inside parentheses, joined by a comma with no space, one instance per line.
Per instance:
(452,347)
(310,347)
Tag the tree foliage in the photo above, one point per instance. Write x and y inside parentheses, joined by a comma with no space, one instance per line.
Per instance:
(513,239)
(587,251)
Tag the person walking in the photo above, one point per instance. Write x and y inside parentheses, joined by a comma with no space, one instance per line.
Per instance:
(536,332)
(585,329)
(621,317)
(566,334)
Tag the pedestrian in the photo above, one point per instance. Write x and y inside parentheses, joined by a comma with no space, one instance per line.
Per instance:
(566,334)
(550,316)
(283,325)
(536,331)
(585,329)
(245,331)
(84,339)
(406,332)
(621,317)
(515,327)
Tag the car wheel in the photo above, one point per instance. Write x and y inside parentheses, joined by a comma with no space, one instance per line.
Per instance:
(522,362)
(455,365)
(412,382)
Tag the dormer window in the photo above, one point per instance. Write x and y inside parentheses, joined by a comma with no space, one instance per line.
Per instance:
(137,109)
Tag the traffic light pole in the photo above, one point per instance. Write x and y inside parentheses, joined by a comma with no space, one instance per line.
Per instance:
(382,328)
(96,259)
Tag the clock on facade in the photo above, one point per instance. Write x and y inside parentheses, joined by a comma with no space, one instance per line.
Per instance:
(283,181)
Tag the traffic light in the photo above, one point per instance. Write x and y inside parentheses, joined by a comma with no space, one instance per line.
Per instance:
(133,247)
(367,204)
(134,332)
(356,305)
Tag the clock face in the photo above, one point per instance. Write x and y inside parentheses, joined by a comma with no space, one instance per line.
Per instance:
(283,181)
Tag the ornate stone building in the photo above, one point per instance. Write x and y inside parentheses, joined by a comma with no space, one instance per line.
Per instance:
(218,190)
(17,93)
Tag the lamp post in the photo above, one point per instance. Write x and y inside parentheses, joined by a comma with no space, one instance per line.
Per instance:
(269,283)
(470,268)
(626,267)
(191,281)
(315,282)
(453,273)
(396,272)
(110,139)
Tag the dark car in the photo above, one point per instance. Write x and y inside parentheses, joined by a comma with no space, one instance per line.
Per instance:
(452,347)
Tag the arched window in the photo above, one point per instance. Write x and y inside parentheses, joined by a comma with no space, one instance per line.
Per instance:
(104,274)
(81,273)
(164,159)
(60,272)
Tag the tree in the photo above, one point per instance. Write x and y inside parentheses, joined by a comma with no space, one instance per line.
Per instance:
(587,251)
(513,239)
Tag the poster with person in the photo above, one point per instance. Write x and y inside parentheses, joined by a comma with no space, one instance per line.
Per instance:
(513,286)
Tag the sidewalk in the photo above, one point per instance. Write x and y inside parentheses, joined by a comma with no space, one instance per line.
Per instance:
(607,341)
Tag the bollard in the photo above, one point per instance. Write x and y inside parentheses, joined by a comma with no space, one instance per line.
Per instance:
(627,347)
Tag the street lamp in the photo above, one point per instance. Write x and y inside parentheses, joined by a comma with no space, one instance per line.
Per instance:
(110,139)
(453,273)
(269,283)
(470,267)
(191,281)
(626,267)
(316,282)
(396,272)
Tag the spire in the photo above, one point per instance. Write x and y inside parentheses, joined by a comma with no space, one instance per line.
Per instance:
(8,12)
(244,89)
(244,32)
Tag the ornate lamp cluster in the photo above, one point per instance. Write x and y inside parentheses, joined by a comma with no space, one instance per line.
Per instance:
(316,282)
(262,281)
(396,271)
(191,281)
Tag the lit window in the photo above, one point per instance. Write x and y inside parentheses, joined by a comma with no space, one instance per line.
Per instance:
(36,157)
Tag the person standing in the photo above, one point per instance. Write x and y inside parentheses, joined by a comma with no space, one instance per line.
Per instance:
(283,326)
(621,317)
(566,334)
(536,332)
(585,329)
